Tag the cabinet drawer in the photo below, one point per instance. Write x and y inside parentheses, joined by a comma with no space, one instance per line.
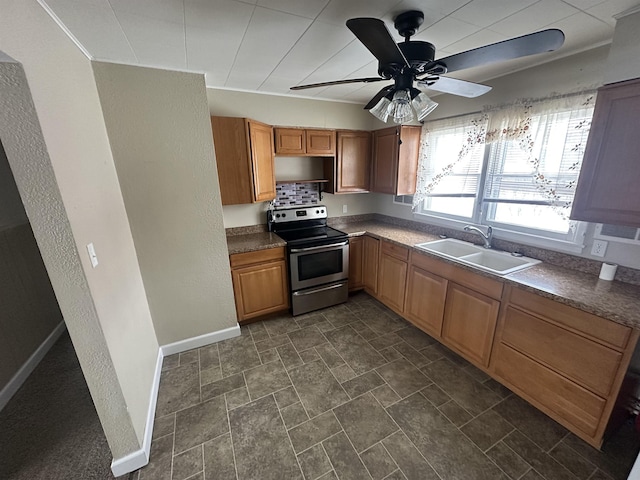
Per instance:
(553,393)
(393,250)
(259,256)
(597,328)
(479,283)
(582,360)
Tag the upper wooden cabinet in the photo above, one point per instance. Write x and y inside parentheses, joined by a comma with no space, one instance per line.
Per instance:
(607,190)
(350,171)
(300,141)
(244,157)
(395,160)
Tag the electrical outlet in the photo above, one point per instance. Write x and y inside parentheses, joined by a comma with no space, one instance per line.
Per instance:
(344,209)
(92,255)
(599,248)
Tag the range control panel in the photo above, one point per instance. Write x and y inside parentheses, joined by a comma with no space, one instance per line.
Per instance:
(293,214)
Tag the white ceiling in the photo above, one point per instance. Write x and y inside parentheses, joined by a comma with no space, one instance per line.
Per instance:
(271,45)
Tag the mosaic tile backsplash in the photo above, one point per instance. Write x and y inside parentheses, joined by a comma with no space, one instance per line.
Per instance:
(291,194)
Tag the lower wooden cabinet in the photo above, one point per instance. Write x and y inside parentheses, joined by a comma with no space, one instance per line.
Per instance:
(356,250)
(425,297)
(392,279)
(370,254)
(568,363)
(259,282)
(470,322)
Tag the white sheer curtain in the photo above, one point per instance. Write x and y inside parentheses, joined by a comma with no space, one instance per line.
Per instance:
(536,150)
(446,164)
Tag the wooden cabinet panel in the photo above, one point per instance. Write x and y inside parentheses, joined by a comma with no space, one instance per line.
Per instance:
(395,160)
(264,177)
(320,142)
(352,167)
(569,403)
(370,264)
(259,256)
(290,140)
(578,358)
(474,281)
(244,159)
(356,251)
(395,250)
(392,281)
(260,283)
(425,300)
(469,322)
(607,188)
(597,328)
(385,159)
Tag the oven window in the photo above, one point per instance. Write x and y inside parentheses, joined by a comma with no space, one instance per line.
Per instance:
(316,265)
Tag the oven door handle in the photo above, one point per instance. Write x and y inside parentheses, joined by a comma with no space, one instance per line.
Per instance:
(310,249)
(318,290)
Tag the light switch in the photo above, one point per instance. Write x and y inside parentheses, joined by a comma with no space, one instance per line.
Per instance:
(344,209)
(92,255)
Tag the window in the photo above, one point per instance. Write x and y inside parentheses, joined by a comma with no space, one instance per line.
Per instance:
(455,167)
(514,168)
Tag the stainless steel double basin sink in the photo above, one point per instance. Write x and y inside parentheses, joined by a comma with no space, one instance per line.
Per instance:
(494,261)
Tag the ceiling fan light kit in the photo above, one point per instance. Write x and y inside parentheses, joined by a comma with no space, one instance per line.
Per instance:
(413,61)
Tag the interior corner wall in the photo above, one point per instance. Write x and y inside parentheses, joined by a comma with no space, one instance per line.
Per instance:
(30,312)
(54,135)
(298,112)
(160,134)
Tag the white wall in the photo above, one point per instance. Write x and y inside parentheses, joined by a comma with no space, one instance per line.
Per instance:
(288,111)
(11,210)
(160,134)
(623,63)
(67,179)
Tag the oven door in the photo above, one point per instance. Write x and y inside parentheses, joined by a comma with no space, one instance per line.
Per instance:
(311,266)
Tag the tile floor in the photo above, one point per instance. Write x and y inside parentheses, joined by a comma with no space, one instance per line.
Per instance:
(355,392)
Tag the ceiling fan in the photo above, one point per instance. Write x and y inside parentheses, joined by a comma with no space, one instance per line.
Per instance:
(413,61)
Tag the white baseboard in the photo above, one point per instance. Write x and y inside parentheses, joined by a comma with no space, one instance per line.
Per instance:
(201,341)
(32,362)
(140,458)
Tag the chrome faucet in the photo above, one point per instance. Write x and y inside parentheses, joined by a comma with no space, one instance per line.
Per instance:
(486,237)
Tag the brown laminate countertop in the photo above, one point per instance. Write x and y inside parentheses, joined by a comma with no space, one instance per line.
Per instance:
(253,241)
(616,301)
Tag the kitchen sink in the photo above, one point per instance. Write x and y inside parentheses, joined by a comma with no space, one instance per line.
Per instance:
(494,261)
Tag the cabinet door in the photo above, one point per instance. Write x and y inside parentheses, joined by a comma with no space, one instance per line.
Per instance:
(233,160)
(392,281)
(607,190)
(425,299)
(470,322)
(384,174)
(264,177)
(356,251)
(408,160)
(370,265)
(260,289)
(320,142)
(290,141)
(353,160)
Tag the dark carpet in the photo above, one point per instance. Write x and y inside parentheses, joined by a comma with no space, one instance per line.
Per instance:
(50,429)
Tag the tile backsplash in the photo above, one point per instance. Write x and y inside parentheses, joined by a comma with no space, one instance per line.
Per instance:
(291,194)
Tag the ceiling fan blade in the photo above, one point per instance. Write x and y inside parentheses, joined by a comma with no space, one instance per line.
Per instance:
(373,33)
(338,82)
(455,86)
(539,42)
(374,101)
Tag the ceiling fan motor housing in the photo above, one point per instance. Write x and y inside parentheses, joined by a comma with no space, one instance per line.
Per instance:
(418,54)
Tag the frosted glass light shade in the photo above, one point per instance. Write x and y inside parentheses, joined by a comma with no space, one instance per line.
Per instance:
(423,105)
(400,109)
(380,110)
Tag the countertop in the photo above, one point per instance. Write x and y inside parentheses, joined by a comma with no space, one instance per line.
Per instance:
(616,301)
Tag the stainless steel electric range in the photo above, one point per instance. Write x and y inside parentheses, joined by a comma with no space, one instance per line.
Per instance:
(318,257)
